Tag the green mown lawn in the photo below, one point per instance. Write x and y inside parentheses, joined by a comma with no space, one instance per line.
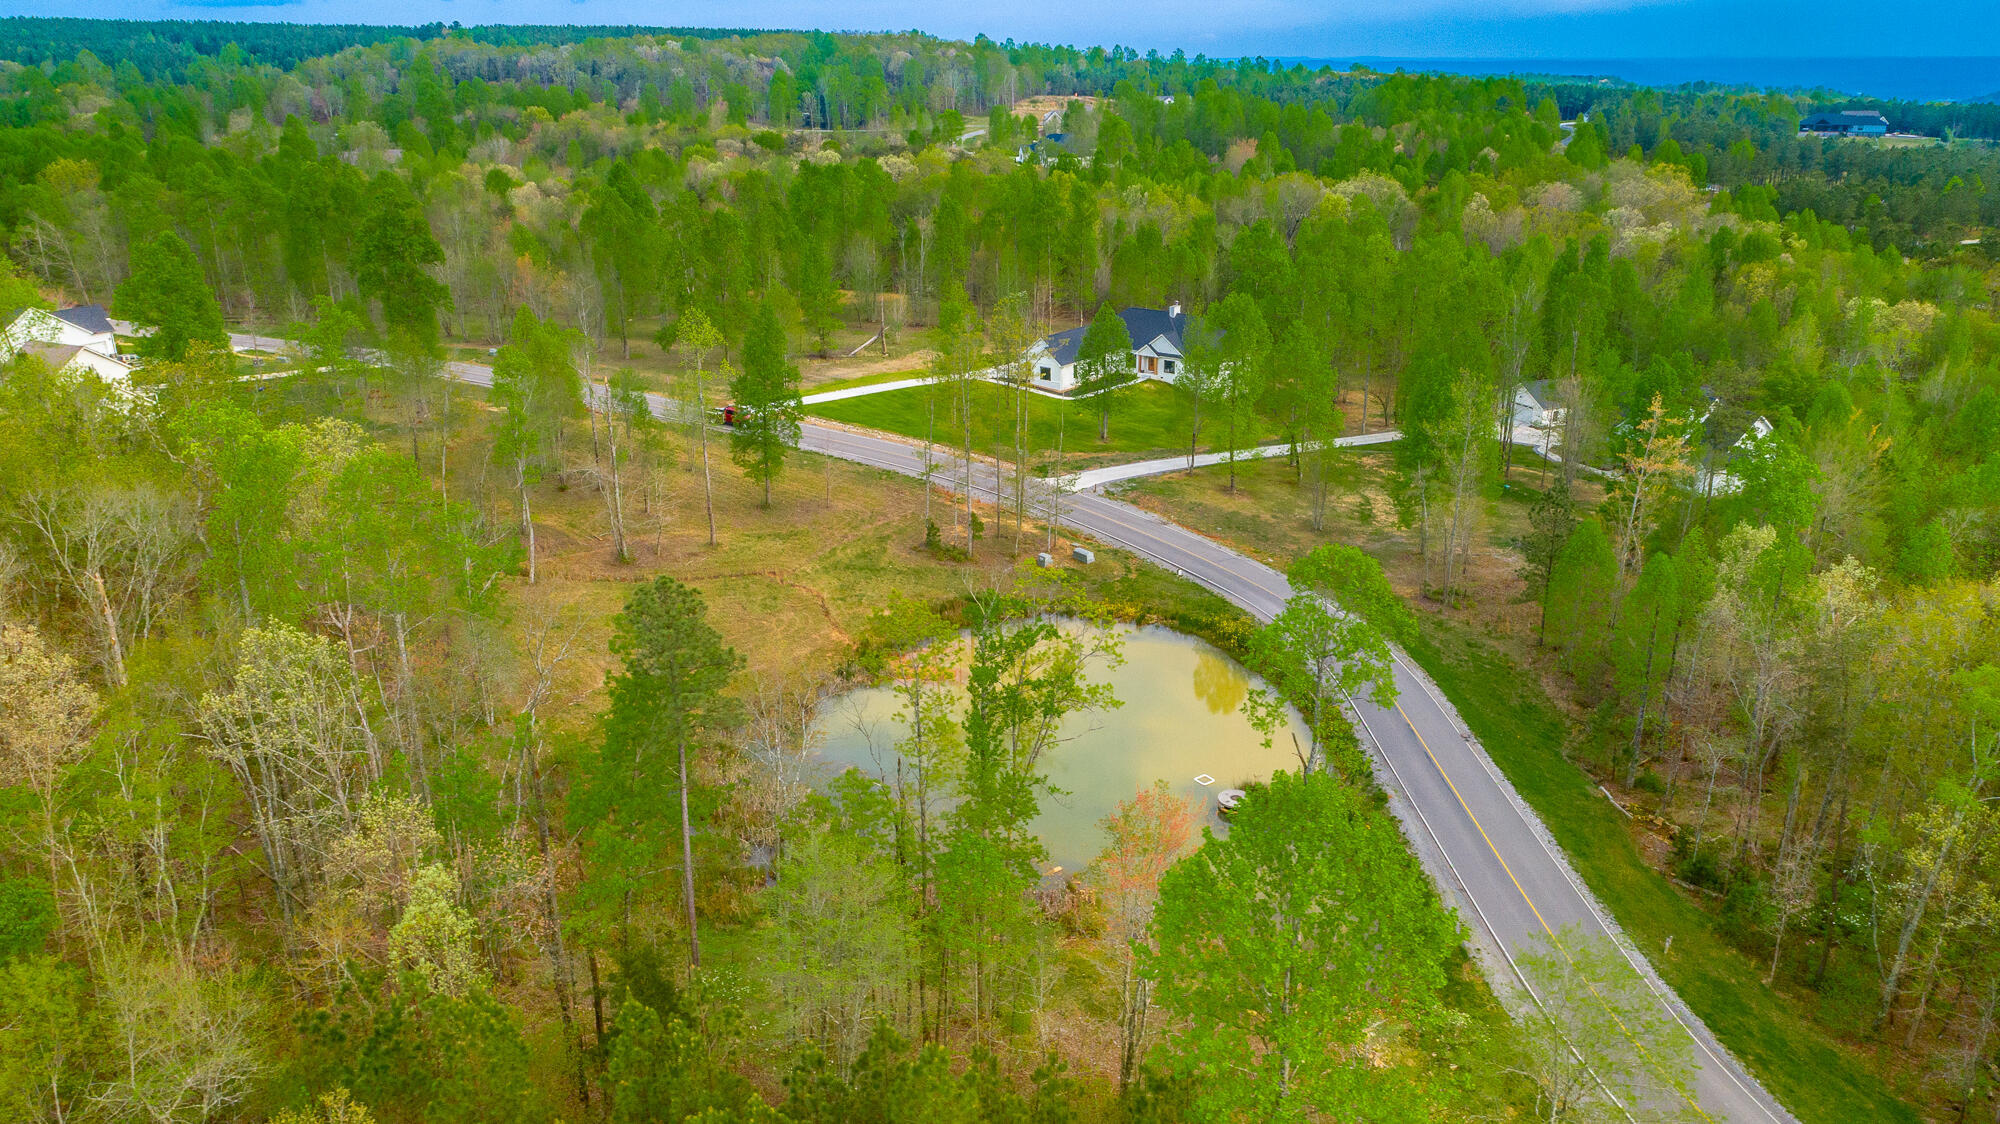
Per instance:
(1146,418)
(1814,1077)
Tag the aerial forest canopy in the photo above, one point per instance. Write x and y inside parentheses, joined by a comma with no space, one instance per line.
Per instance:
(415,637)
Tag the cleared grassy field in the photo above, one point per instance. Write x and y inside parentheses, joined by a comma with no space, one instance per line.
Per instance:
(1146,418)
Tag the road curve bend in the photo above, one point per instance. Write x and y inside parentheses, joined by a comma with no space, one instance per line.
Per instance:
(1486,850)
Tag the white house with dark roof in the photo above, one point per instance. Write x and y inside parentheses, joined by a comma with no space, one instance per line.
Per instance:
(68,357)
(75,340)
(1726,442)
(1535,406)
(1158,348)
(84,325)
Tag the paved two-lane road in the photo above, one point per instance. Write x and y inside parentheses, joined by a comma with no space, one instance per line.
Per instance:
(1484,848)
(1473,835)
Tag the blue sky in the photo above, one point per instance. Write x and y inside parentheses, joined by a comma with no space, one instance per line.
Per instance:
(1428,28)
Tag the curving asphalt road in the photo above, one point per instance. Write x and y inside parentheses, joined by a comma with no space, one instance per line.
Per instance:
(1479,841)
(1485,849)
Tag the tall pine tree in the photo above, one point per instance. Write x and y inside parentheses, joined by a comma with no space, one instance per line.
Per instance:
(767,402)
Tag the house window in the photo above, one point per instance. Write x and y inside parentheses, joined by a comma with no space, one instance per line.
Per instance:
(1170,366)
(1045,374)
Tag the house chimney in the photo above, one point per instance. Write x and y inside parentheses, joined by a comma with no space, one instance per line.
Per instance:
(1174,308)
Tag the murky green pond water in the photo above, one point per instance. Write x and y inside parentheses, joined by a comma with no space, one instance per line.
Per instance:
(1180,722)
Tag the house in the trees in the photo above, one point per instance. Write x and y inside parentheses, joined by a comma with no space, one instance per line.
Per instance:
(1535,406)
(1537,417)
(1726,440)
(1158,343)
(69,358)
(77,340)
(1846,123)
(1046,149)
(84,325)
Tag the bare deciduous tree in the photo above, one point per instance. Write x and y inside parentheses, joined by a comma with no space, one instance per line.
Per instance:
(1595,1043)
(289,728)
(45,714)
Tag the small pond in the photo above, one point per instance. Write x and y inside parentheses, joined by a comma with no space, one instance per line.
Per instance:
(1181,722)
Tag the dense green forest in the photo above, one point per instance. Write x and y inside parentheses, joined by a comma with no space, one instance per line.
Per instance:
(379,749)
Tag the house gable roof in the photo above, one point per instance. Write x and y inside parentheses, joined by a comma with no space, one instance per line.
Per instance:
(1145,326)
(57,356)
(1728,430)
(90,317)
(1063,346)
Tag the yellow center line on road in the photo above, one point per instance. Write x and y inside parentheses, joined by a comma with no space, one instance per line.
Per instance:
(1439,766)
(1139,531)
(1523,891)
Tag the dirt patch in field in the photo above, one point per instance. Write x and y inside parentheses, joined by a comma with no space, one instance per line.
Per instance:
(1269,516)
(1045,103)
(818,372)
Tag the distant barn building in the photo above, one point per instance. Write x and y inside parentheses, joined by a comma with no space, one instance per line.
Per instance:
(1846,123)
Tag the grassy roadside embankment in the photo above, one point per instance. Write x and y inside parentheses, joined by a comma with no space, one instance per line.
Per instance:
(1818,1080)
(1505,704)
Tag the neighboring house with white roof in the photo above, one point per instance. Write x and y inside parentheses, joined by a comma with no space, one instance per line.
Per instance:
(1158,348)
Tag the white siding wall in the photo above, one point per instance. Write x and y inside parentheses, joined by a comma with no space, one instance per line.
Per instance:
(37,326)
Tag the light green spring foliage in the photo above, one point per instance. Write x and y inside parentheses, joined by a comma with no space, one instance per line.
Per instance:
(1242,374)
(1642,641)
(841,938)
(283,729)
(535,381)
(167,297)
(433,938)
(1596,1044)
(1583,588)
(1299,949)
(1104,363)
(334,1107)
(1329,642)
(17,291)
(47,1038)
